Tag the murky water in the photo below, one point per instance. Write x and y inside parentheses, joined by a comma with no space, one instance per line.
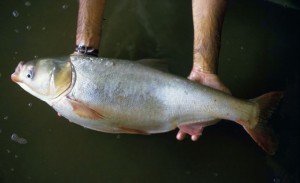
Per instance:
(260,53)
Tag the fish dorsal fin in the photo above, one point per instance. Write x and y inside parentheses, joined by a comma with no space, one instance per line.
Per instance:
(159,64)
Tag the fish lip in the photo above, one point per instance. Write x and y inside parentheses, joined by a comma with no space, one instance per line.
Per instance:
(15,76)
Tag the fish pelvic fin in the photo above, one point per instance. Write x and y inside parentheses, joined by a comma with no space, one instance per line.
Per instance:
(262,133)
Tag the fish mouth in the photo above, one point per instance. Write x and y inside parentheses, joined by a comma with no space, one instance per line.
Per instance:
(15,76)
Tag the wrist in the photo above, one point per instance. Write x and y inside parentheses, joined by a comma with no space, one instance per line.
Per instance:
(208,79)
(86,50)
(201,76)
(203,67)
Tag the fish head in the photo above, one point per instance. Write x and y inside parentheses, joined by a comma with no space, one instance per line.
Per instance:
(46,79)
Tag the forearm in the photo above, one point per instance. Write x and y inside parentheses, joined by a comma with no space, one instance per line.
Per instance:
(208,16)
(89,23)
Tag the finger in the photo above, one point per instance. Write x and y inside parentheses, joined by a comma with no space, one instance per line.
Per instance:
(195,137)
(180,135)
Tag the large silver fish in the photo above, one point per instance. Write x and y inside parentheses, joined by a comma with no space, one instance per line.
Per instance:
(119,96)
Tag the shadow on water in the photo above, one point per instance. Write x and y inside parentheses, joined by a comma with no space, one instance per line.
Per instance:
(260,53)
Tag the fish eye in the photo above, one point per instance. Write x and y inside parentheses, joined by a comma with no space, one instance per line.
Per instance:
(29,75)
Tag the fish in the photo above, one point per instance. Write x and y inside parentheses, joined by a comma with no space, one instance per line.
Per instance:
(121,96)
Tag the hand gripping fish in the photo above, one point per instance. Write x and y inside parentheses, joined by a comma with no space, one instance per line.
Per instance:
(119,96)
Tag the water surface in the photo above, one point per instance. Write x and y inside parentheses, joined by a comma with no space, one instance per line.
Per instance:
(260,53)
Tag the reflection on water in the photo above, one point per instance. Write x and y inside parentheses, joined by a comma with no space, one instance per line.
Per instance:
(260,53)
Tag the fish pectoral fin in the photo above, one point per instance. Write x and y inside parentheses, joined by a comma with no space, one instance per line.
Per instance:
(84,111)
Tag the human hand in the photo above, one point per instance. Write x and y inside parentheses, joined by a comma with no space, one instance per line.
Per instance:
(212,80)
(208,79)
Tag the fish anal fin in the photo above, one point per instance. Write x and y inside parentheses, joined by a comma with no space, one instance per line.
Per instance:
(84,111)
(133,131)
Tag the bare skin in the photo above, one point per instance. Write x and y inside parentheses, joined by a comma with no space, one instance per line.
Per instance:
(89,22)
(208,18)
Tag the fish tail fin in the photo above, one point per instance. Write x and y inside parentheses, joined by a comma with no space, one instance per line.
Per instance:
(261,132)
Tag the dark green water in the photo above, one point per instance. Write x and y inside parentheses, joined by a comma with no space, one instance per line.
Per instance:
(260,53)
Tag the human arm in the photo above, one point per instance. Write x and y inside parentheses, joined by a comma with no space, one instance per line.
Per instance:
(208,16)
(89,24)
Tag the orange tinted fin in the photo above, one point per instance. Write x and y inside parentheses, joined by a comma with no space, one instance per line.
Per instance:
(262,134)
(133,131)
(84,111)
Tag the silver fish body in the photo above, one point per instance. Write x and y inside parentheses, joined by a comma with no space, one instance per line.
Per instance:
(119,96)
(141,99)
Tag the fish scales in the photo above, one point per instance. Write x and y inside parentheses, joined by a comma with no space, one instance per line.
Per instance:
(162,100)
(119,96)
